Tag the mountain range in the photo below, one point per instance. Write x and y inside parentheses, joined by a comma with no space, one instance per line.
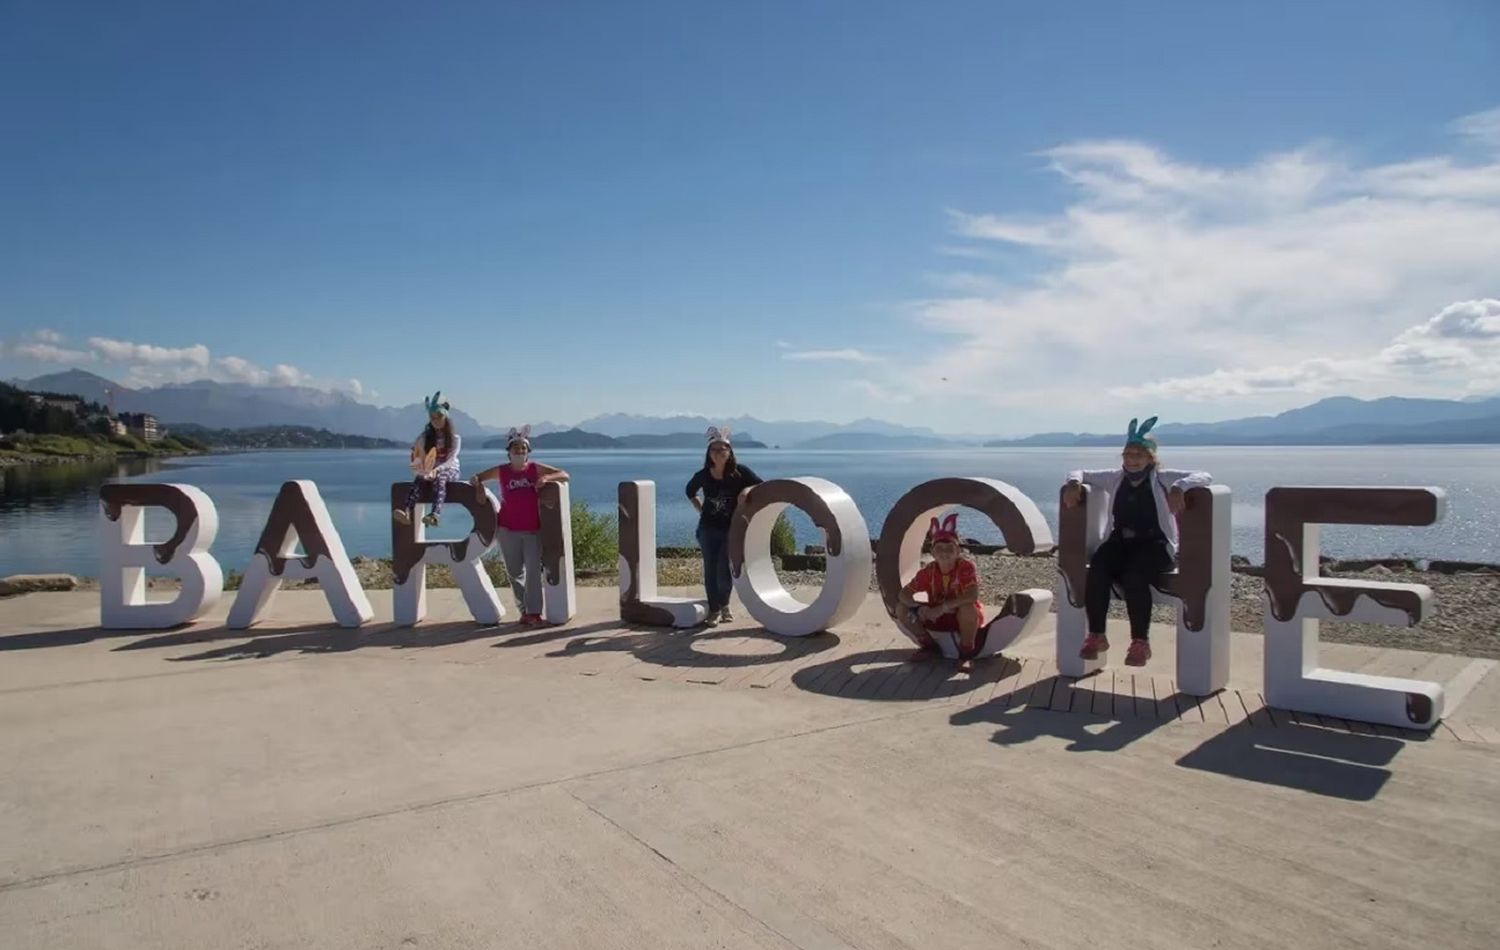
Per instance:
(217,405)
(1339,420)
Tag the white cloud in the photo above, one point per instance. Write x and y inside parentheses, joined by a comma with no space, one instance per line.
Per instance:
(878,392)
(239,370)
(1483,127)
(848,355)
(1461,342)
(50,353)
(1251,286)
(147,364)
(119,351)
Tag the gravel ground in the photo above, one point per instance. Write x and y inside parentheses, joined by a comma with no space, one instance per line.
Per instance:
(1465,621)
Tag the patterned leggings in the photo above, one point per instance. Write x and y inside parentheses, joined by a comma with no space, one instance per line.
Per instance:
(441,478)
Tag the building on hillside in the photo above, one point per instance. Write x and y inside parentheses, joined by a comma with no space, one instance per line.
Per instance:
(142,425)
(71,404)
(111,425)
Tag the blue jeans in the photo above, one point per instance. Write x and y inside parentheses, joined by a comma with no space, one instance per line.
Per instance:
(716,580)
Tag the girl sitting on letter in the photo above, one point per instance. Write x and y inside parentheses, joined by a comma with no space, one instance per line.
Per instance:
(951,583)
(1141,539)
(434,458)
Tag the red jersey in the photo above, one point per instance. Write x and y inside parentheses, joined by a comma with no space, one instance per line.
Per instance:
(938,586)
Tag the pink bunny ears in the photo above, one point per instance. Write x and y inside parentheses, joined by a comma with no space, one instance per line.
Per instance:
(945,530)
(521,435)
(718,434)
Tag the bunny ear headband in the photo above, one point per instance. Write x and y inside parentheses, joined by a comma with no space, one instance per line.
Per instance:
(1136,435)
(522,435)
(435,403)
(717,434)
(945,530)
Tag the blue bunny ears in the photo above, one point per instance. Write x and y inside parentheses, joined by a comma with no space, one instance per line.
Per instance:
(1137,434)
(435,404)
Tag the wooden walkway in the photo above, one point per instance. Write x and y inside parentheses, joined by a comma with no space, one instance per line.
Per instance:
(862,671)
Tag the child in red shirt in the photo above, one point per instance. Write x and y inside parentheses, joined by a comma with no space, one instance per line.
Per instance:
(951,583)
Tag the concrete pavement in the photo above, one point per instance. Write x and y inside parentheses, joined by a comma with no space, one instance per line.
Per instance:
(298,785)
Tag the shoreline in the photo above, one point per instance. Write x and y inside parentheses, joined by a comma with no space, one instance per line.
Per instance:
(15,458)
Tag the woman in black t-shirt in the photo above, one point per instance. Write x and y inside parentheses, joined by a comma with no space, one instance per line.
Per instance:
(723,482)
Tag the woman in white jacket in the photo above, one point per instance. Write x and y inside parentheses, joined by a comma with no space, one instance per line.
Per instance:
(1140,542)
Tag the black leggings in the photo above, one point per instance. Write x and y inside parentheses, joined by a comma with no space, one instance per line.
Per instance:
(1133,563)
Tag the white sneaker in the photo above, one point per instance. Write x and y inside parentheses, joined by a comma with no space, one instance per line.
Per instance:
(725,616)
(712,620)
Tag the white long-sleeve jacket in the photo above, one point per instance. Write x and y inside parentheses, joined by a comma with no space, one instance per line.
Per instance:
(1162,480)
(448,466)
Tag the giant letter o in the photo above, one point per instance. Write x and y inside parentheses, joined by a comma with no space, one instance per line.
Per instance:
(755,580)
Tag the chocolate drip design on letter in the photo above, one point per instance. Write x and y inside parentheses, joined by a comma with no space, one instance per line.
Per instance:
(291,511)
(407,551)
(113,497)
(787,492)
(1291,510)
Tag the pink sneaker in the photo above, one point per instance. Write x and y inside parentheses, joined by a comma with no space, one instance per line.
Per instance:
(1093,645)
(1139,653)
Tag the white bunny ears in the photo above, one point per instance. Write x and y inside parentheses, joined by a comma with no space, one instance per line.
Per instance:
(718,434)
(521,435)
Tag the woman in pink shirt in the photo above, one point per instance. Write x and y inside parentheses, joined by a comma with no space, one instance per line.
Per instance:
(520,519)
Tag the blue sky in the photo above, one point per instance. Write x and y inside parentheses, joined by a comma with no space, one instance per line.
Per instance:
(985,217)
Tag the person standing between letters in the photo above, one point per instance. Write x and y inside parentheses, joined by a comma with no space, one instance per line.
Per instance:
(723,483)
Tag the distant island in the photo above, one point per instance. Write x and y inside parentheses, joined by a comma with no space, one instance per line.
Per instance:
(281,437)
(579,439)
(874,440)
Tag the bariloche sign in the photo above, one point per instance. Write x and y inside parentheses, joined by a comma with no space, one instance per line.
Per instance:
(1296,596)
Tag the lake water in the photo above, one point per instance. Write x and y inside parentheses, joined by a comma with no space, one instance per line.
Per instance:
(49,515)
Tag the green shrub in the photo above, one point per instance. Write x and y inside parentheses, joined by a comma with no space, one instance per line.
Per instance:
(52,444)
(783,538)
(596,538)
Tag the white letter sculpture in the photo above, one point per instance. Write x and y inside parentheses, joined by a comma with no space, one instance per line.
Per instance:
(639,601)
(299,515)
(125,555)
(754,571)
(899,550)
(559,594)
(1200,587)
(1296,598)
(412,552)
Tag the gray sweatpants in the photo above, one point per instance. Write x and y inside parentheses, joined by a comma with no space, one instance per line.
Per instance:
(518,547)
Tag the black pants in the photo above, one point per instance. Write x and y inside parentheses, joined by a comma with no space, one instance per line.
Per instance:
(717,581)
(1133,563)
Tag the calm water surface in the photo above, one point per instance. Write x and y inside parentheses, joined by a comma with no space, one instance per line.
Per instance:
(49,515)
